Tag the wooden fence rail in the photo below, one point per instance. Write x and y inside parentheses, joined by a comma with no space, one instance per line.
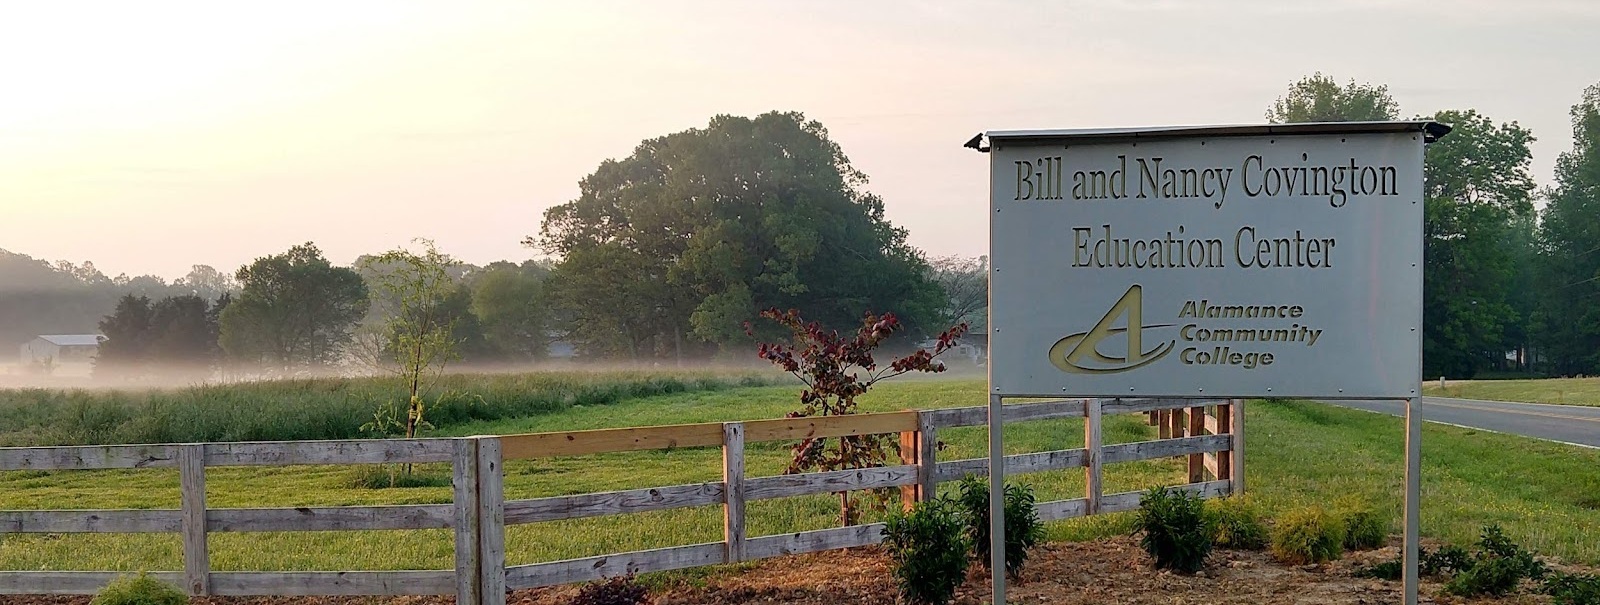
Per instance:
(1207,434)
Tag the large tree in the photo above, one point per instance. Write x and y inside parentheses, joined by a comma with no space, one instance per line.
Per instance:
(293,309)
(1568,323)
(965,282)
(690,236)
(1318,98)
(174,337)
(1478,193)
(511,304)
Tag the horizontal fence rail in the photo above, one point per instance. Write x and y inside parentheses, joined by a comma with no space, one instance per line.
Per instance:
(1207,433)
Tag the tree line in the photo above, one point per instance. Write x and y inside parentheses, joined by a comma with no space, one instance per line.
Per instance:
(665,254)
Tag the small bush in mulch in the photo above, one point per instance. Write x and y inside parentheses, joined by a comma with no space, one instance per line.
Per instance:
(929,551)
(1448,560)
(139,590)
(1023,528)
(620,590)
(1308,535)
(1174,529)
(1364,527)
(1498,566)
(1237,523)
(1573,589)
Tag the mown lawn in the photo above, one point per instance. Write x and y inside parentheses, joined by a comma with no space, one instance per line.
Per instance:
(1562,391)
(1544,494)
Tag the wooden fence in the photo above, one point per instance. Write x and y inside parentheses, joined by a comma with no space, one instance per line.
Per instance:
(1209,433)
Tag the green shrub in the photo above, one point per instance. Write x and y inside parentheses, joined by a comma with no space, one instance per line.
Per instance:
(1023,528)
(1495,577)
(139,590)
(929,551)
(1447,561)
(1237,523)
(1308,535)
(1573,589)
(620,590)
(1387,570)
(1364,528)
(1172,526)
(1496,568)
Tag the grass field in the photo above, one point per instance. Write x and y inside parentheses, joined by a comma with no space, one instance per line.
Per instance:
(1563,391)
(1546,495)
(322,408)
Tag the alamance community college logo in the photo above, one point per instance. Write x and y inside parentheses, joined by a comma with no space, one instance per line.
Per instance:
(1080,354)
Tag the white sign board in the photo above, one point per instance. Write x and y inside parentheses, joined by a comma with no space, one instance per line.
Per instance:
(1211,265)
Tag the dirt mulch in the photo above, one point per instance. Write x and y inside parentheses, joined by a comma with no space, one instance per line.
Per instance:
(1106,571)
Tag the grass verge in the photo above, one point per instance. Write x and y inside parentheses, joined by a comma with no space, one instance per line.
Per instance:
(1560,391)
(1300,452)
(324,408)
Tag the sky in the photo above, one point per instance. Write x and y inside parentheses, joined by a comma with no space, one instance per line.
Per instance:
(151,136)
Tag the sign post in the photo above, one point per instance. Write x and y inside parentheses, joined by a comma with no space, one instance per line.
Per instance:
(1207,262)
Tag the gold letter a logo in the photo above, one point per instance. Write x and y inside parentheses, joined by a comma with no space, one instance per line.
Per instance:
(1079,354)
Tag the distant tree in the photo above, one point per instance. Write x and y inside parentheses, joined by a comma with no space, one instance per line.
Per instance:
(510,302)
(176,337)
(965,282)
(1568,321)
(293,309)
(1478,190)
(690,236)
(127,332)
(206,282)
(420,326)
(1318,98)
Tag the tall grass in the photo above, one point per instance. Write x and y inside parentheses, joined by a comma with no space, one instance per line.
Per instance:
(322,408)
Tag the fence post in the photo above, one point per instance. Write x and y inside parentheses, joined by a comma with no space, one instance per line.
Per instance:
(910,449)
(491,522)
(1091,449)
(927,457)
(1197,427)
(192,482)
(733,491)
(1236,478)
(1163,424)
(1225,427)
(464,478)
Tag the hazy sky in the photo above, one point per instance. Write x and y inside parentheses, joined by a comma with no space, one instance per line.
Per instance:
(148,136)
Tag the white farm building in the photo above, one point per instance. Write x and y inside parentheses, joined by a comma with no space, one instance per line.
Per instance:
(61,349)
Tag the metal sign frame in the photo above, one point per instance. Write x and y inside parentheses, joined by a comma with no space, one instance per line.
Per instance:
(1426,130)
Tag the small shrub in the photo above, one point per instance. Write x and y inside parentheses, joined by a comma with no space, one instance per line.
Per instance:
(1308,535)
(620,590)
(1174,529)
(1496,577)
(1496,568)
(1023,528)
(1447,561)
(1387,570)
(139,590)
(1573,589)
(1237,523)
(1364,528)
(929,551)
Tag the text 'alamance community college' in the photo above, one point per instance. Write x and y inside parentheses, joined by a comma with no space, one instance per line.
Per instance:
(1143,178)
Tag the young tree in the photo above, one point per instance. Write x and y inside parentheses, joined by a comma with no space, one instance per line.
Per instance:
(1318,98)
(420,328)
(293,309)
(835,371)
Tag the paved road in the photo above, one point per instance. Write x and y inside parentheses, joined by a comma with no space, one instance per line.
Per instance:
(1567,423)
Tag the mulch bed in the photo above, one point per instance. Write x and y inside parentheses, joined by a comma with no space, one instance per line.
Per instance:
(1106,571)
